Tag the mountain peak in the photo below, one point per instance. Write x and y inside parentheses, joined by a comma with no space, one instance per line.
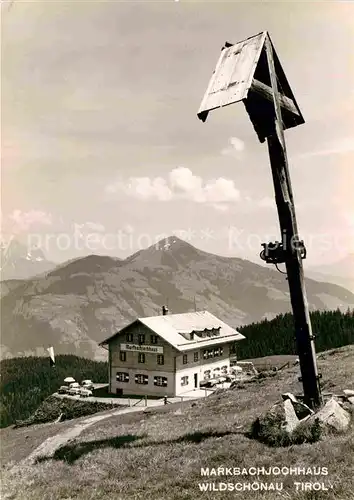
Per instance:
(171,243)
(171,248)
(18,260)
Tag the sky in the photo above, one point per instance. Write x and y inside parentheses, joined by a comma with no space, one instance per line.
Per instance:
(102,150)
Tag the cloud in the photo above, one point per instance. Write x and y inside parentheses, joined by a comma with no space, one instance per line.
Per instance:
(182,184)
(95,226)
(192,187)
(143,188)
(128,229)
(22,221)
(220,207)
(221,190)
(237,144)
(235,147)
(340,146)
(183,180)
(266,202)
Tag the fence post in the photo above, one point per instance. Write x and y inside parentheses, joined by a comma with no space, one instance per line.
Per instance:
(129,402)
(145,400)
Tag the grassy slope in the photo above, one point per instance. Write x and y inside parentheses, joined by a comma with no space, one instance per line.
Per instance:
(158,457)
(26,382)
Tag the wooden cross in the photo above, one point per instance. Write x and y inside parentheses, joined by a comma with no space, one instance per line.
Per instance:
(250,71)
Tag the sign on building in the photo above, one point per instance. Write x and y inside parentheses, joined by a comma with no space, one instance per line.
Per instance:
(142,348)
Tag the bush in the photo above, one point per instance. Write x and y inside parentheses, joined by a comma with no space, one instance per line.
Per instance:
(307,432)
(53,407)
(266,374)
(269,429)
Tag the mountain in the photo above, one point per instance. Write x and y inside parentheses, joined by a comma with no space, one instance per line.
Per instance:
(7,286)
(343,268)
(77,305)
(20,262)
(340,272)
(347,283)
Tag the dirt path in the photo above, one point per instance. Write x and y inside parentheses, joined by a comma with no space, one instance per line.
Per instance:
(69,432)
(50,445)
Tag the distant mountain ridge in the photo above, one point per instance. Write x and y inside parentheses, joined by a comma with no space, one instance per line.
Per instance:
(343,268)
(340,272)
(347,283)
(76,305)
(20,262)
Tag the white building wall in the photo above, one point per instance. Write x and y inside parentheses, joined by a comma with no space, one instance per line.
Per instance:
(150,368)
(195,371)
(149,389)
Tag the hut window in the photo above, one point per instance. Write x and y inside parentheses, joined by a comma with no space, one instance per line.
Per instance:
(160,381)
(141,379)
(122,377)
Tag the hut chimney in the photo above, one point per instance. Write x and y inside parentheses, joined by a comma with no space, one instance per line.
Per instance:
(164,310)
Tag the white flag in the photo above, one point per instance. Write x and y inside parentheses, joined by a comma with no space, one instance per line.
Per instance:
(51,356)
